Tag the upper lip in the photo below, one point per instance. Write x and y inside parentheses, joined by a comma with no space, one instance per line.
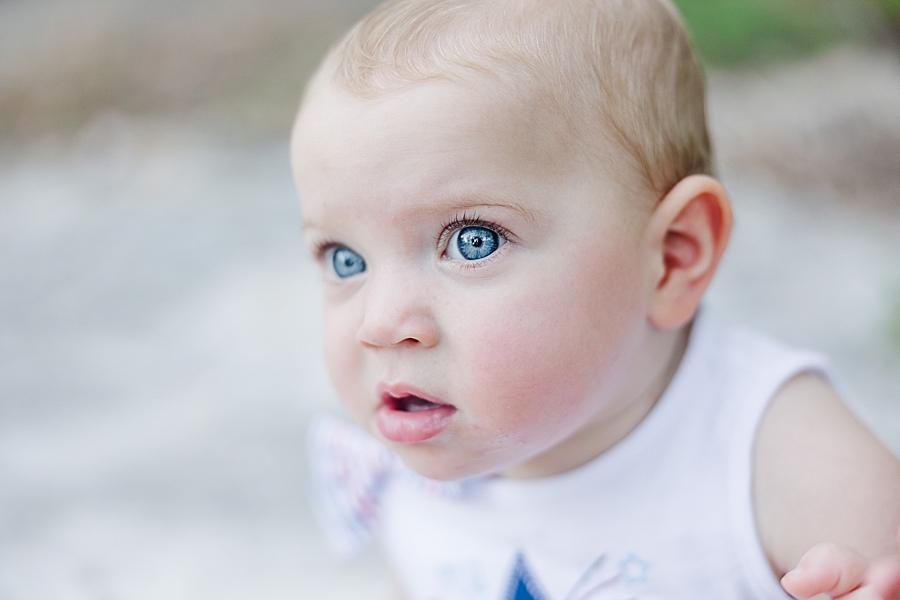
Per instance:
(387,392)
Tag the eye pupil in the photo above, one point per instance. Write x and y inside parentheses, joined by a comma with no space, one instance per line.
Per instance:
(475,243)
(346,262)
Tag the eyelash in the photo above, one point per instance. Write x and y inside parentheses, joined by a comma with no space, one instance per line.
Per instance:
(465,220)
(461,221)
(451,226)
(320,249)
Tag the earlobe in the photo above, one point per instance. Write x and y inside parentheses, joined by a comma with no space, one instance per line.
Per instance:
(689,232)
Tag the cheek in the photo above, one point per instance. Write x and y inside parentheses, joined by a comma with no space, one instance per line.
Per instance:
(552,348)
(342,357)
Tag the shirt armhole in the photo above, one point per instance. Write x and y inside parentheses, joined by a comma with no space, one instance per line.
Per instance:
(750,404)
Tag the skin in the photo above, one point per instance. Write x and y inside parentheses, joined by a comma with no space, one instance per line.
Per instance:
(821,476)
(553,348)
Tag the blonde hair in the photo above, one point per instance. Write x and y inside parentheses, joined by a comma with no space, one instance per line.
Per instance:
(613,70)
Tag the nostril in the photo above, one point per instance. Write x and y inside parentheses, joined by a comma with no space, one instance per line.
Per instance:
(370,341)
(396,315)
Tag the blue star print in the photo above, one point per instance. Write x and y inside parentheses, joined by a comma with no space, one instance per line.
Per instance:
(633,569)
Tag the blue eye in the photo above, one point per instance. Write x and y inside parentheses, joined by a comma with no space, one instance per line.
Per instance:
(347,263)
(473,243)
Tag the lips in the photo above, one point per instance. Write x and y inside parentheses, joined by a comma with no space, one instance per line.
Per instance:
(407,416)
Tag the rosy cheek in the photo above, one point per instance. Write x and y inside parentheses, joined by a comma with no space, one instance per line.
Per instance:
(548,352)
(530,377)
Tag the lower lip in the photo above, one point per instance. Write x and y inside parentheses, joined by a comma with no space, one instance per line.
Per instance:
(410,427)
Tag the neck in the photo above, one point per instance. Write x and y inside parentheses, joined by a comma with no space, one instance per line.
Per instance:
(618,419)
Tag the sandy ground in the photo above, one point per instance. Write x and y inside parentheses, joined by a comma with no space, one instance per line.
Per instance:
(159,333)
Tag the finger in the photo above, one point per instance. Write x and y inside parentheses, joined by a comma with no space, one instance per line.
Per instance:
(826,569)
(884,576)
(866,592)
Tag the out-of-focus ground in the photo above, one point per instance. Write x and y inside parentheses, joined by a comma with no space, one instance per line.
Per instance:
(159,327)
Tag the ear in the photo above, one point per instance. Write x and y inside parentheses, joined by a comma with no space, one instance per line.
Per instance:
(688,232)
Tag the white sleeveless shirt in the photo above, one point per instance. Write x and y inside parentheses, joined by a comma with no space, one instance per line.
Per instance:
(665,513)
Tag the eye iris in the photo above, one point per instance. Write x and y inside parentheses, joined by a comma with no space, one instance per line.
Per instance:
(346,262)
(477,242)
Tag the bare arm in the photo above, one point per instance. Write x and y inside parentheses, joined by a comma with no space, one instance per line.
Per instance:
(823,481)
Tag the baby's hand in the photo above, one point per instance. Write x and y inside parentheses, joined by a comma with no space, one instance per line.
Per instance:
(841,572)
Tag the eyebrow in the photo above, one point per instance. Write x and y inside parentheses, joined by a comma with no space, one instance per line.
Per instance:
(306,223)
(479,201)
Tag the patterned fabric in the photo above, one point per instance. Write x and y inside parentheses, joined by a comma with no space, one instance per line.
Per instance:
(349,469)
(522,585)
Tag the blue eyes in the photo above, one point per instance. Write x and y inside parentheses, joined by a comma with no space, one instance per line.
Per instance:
(468,243)
(347,263)
(473,243)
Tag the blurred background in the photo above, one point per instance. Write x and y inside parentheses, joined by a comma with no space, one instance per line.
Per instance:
(159,327)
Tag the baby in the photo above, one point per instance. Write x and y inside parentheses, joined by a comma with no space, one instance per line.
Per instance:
(512,205)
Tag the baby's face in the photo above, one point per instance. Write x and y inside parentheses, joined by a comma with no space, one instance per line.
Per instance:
(485,295)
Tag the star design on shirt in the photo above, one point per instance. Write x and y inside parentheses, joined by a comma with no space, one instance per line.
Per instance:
(522,585)
(634,569)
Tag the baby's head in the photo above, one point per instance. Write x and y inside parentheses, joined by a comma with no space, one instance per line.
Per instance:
(509,202)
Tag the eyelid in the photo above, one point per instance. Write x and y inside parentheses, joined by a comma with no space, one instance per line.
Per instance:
(323,251)
(462,221)
(321,248)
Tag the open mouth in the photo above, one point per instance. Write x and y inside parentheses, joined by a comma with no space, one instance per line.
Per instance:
(412,404)
(408,418)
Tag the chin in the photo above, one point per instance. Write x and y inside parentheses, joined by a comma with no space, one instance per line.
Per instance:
(433,463)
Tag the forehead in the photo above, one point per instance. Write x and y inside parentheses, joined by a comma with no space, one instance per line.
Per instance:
(429,119)
(434,141)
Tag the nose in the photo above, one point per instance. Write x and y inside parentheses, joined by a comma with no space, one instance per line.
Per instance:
(398,312)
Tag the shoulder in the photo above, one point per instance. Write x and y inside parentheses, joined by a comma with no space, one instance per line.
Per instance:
(821,476)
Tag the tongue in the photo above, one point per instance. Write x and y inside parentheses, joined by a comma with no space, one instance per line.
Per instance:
(415,404)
